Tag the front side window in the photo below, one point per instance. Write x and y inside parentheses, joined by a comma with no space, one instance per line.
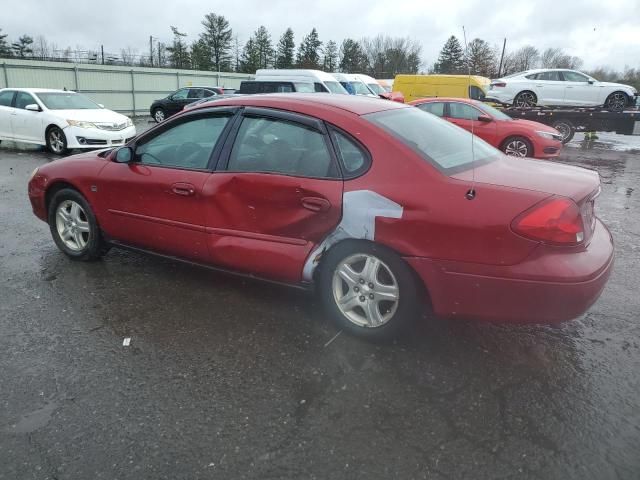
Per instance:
(444,145)
(375,88)
(335,87)
(463,111)
(186,145)
(23,99)
(319,88)
(180,94)
(278,146)
(436,108)
(574,77)
(66,101)
(6,98)
(360,88)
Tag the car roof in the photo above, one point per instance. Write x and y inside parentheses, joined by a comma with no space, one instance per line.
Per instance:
(38,90)
(303,102)
(470,101)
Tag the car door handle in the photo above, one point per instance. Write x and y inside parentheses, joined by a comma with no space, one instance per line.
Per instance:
(184,189)
(316,204)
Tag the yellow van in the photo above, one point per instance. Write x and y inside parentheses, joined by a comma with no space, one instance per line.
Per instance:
(425,86)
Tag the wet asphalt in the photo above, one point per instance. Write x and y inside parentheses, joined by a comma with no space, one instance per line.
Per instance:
(227,378)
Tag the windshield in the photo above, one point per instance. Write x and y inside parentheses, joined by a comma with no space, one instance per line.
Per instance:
(375,88)
(66,101)
(494,112)
(439,142)
(335,87)
(360,88)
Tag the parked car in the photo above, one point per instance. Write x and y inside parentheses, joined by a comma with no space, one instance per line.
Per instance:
(323,82)
(379,205)
(415,87)
(250,87)
(389,93)
(60,120)
(560,87)
(520,138)
(173,103)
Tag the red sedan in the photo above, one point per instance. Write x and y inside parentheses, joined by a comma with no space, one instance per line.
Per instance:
(377,204)
(519,138)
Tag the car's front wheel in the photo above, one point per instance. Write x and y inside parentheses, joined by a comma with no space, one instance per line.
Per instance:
(74,227)
(517,147)
(56,141)
(159,115)
(616,102)
(368,289)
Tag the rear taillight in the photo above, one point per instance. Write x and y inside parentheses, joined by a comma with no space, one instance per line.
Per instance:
(499,84)
(556,221)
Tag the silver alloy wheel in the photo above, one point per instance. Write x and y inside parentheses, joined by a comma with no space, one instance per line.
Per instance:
(56,141)
(516,148)
(525,99)
(564,130)
(617,101)
(72,225)
(159,115)
(365,290)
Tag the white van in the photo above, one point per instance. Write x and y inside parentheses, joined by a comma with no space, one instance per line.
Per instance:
(371,83)
(353,84)
(323,82)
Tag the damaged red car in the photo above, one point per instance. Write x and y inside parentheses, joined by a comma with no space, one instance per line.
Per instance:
(379,206)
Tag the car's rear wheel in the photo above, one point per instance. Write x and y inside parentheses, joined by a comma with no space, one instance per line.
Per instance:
(74,227)
(517,147)
(616,102)
(368,289)
(159,115)
(525,99)
(56,141)
(566,129)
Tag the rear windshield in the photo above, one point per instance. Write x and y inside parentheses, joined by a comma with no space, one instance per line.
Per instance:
(66,101)
(335,87)
(439,142)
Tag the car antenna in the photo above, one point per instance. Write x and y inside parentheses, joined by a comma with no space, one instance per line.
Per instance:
(471,193)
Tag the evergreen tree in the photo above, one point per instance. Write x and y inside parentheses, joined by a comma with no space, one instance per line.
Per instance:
(217,37)
(451,58)
(178,51)
(22,48)
(352,57)
(200,56)
(285,50)
(309,51)
(481,58)
(330,61)
(264,47)
(5,50)
(250,58)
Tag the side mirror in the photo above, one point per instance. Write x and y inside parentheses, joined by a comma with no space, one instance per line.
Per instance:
(124,155)
(590,82)
(485,118)
(32,107)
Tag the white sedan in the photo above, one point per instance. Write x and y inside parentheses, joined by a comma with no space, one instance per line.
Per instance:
(559,87)
(61,120)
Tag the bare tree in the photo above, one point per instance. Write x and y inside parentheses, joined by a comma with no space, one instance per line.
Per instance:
(128,55)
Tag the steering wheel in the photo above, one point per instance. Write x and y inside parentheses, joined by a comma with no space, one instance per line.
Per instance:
(188,154)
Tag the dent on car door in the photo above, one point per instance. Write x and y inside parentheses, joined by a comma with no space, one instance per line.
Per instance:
(156,201)
(277,195)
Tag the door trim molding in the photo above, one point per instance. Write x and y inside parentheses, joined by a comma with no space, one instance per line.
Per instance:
(225,232)
(162,221)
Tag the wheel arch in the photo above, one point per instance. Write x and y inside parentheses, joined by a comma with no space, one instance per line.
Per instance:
(57,185)
(518,135)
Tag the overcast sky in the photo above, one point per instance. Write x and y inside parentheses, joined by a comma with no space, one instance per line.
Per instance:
(602,33)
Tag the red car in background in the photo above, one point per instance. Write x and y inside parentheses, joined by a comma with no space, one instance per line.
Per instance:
(519,138)
(378,205)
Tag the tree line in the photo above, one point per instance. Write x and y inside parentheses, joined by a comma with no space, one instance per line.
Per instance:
(480,58)
(217,48)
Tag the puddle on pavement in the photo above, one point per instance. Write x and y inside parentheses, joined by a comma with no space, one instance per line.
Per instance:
(33,421)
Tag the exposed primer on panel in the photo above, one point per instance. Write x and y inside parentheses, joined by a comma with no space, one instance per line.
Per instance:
(360,209)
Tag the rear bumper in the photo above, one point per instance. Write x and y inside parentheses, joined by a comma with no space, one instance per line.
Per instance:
(549,287)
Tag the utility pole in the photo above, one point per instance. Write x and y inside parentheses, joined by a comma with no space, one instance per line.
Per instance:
(102,51)
(504,45)
(151,50)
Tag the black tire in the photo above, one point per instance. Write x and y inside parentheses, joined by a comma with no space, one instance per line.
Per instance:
(566,129)
(399,314)
(159,115)
(616,102)
(517,147)
(94,245)
(525,99)
(56,141)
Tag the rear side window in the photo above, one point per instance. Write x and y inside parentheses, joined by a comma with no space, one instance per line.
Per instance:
(195,93)
(278,146)
(354,159)
(6,98)
(437,108)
